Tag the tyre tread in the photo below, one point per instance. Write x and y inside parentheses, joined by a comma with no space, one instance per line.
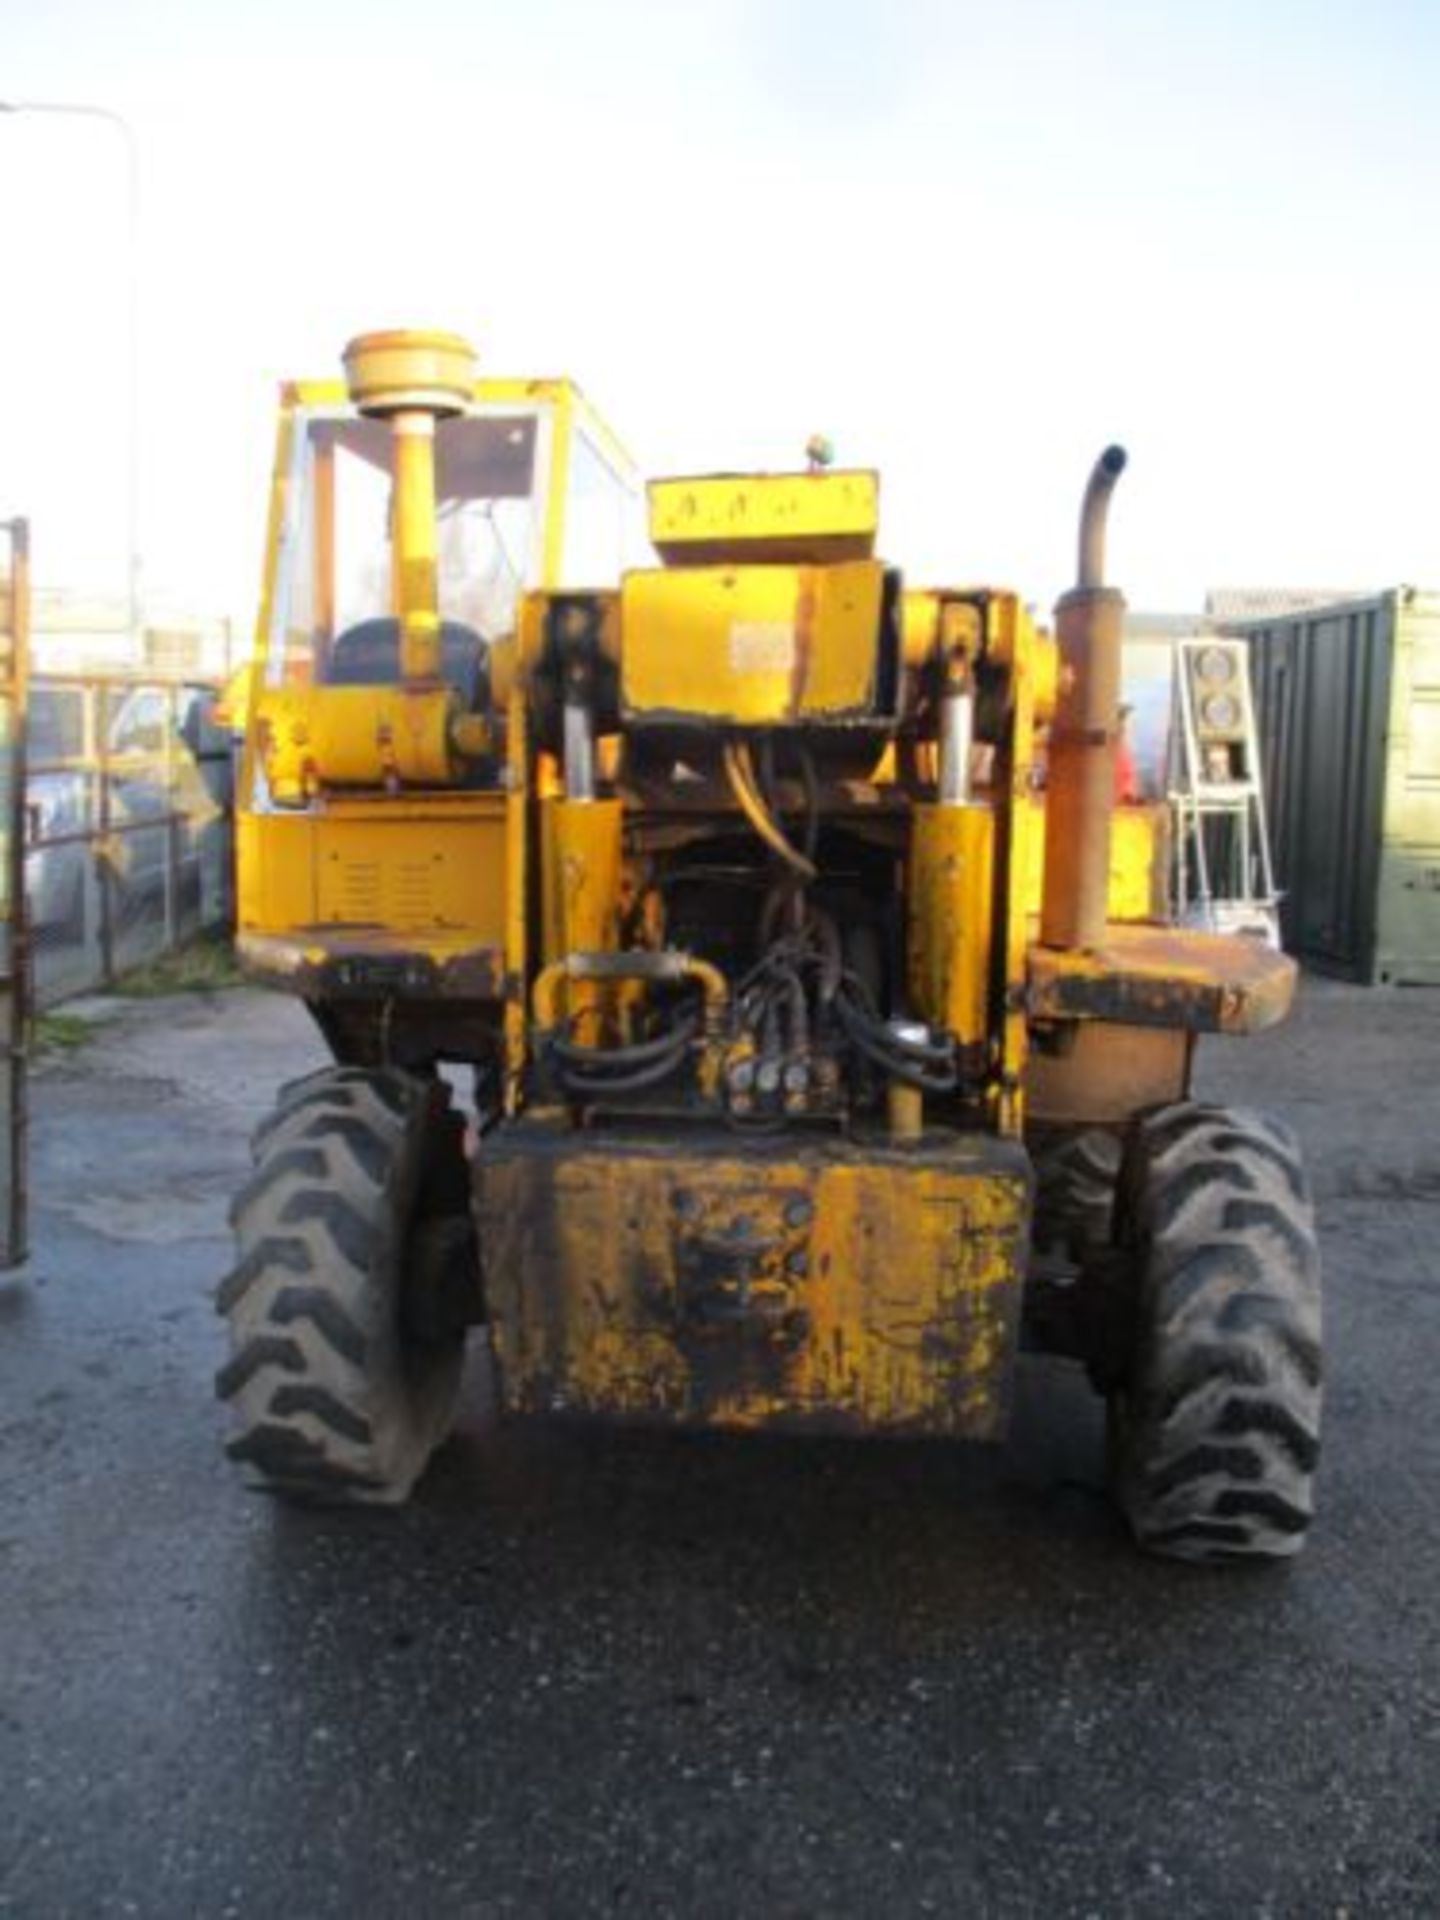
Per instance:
(1219,1423)
(327,1406)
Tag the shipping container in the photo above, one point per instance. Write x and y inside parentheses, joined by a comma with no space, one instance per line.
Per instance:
(1348,703)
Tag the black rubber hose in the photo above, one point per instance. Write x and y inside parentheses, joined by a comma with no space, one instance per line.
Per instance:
(621,1059)
(769,784)
(911,1071)
(908,1073)
(799,1012)
(811,846)
(939,1054)
(776,901)
(831,954)
(582,1087)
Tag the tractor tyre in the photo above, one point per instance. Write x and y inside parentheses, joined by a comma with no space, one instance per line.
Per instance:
(1215,1427)
(340,1390)
(1075,1180)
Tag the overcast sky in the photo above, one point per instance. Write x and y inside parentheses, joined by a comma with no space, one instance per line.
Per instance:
(970,242)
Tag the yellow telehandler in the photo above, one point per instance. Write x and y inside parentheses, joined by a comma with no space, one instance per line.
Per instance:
(817,1034)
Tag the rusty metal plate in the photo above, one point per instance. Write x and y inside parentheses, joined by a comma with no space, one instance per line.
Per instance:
(1145,976)
(325,963)
(826,1285)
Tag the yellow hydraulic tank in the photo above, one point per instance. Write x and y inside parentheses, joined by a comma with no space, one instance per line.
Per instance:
(315,737)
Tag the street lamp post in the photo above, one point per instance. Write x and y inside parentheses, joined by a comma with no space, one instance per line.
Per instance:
(84,110)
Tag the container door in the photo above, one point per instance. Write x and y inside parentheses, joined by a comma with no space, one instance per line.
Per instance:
(14,959)
(1408,935)
(1342,722)
(1322,690)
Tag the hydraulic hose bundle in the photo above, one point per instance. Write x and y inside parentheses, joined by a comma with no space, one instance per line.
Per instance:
(776,1039)
(590,1073)
(900,1054)
(745,785)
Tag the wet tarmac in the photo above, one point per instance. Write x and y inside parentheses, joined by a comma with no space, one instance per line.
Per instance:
(596,1673)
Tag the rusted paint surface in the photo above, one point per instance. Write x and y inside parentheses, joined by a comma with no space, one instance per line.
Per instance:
(827,1285)
(1081,779)
(1145,976)
(327,962)
(1090,1073)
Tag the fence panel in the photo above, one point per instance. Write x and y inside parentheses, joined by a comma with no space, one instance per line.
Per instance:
(14,970)
(128,818)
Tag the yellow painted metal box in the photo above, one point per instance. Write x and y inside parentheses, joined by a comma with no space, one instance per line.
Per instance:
(412,866)
(757,646)
(692,1278)
(765,516)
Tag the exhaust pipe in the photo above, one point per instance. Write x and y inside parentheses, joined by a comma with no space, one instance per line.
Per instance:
(1094,514)
(1080,797)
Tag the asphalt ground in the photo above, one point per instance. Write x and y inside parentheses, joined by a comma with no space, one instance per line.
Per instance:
(592,1672)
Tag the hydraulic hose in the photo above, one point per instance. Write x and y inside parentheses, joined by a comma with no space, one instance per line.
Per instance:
(939,1052)
(622,1059)
(894,1057)
(740,771)
(766,787)
(831,954)
(896,1068)
(584,1086)
(811,782)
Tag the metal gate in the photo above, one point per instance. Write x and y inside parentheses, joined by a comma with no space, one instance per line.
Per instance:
(128,829)
(14,960)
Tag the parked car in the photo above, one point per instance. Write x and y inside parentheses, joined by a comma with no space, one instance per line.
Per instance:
(153,779)
(167,757)
(58,801)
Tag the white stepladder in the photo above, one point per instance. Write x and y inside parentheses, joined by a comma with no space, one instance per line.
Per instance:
(1222,879)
